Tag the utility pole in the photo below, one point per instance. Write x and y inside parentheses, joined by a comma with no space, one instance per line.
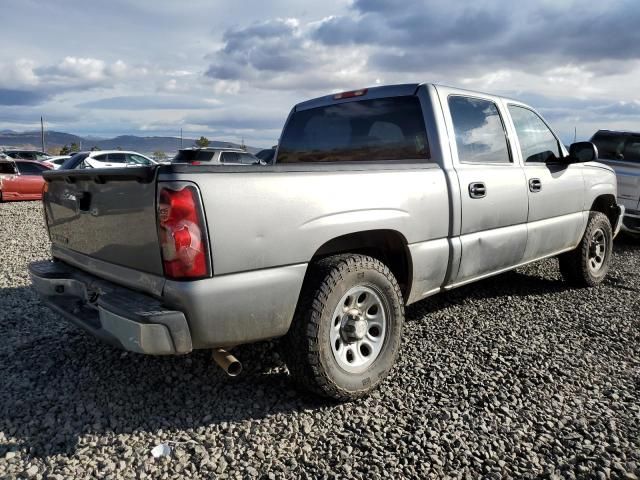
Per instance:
(181,138)
(42,133)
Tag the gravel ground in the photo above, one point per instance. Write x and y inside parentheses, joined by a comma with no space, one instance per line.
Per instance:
(517,376)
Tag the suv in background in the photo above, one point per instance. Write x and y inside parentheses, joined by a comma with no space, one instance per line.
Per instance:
(621,151)
(211,155)
(107,159)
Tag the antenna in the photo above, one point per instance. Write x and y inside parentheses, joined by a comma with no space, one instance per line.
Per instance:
(42,133)
(575,134)
(180,137)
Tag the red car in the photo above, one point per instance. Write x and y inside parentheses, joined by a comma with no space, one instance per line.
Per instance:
(21,179)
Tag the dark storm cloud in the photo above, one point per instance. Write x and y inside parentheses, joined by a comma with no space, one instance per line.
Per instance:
(485,34)
(21,97)
(270,46)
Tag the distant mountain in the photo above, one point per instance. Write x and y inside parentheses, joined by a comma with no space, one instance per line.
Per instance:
(147,145)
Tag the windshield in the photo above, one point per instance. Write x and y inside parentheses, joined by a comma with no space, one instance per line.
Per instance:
(618,146)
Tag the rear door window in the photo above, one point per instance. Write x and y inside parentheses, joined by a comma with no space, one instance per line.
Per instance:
(204,156)
(238,157)
(479,131)
(117,158)
(384,129)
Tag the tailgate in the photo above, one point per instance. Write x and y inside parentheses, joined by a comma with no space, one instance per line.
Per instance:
(108,214)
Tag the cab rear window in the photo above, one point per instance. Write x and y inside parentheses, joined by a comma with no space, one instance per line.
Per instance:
(384,129)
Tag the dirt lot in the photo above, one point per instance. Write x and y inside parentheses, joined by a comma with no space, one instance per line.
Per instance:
(517,376)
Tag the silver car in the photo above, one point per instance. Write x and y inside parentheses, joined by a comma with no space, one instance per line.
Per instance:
(621,151)
(215,156)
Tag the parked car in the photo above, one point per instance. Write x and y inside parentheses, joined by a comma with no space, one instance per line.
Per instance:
(621,151)
(36,155)
(57,161)
(21,179)
(379,198)
(107,159)
(267,155)
(215,155)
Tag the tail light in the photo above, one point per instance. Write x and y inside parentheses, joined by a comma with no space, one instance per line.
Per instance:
(182,232)
(350,94)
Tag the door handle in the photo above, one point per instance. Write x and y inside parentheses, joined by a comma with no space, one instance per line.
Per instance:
(535,185)
(477,190)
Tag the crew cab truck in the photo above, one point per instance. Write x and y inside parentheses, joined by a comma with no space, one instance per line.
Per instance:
(378,198)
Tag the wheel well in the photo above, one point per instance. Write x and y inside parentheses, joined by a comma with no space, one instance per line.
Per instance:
(388,246)
(606,204)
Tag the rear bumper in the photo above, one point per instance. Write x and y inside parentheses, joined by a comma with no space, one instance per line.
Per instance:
(221,311)
(119,316)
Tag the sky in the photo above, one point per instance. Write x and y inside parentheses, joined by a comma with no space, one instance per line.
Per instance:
(232,70)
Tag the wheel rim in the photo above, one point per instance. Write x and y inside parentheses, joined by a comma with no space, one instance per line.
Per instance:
(358,328)
(597,251)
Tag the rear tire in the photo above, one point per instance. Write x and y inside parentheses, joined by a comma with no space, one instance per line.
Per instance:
(588,264)
(346,332)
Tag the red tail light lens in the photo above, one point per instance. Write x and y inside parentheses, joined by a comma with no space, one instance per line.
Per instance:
(182,233)
(350,94)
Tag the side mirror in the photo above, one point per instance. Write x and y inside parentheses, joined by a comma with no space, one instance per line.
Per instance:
(583,152)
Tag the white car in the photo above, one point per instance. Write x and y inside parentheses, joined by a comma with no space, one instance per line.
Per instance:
(57,161)
(116,158)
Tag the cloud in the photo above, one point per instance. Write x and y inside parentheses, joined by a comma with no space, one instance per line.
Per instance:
(269,47)
(150,102)
(578,62)
(21,97)
(23,82)
(430,35)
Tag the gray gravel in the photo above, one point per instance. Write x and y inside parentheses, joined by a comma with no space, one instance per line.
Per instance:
(517,376)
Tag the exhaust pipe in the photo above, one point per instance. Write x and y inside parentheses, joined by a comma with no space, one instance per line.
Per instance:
(230,364)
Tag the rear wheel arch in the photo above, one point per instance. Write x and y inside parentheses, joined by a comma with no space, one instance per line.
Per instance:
(388,246)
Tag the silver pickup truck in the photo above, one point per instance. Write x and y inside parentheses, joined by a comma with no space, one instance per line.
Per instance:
(377,199)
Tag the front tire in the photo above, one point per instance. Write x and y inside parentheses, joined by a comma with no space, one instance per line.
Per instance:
(346,332)
(588,264)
